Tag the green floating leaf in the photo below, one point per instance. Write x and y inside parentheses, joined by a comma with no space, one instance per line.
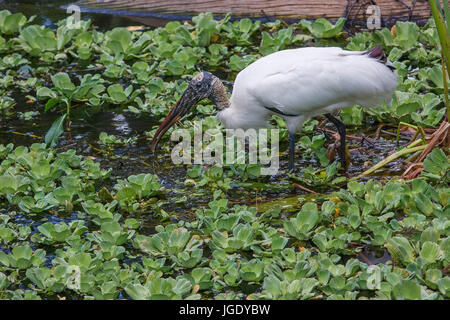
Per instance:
(401,250)
(436,163)
(62,82)
(13,23)
(407,289)
(322,28)
(430,252)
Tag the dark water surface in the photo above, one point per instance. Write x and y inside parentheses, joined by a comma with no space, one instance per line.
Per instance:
(48,12)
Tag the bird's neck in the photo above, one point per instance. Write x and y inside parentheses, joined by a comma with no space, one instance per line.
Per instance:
(219,95)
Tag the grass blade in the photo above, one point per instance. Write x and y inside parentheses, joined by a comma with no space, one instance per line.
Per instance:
(55,131)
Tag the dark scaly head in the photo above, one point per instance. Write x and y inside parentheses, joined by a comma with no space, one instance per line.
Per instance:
(203,85)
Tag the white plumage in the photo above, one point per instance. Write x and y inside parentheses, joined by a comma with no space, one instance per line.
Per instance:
(306,82)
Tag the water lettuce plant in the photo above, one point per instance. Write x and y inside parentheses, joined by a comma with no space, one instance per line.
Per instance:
(12,23)
(331,234)
(322,28)
(76,225)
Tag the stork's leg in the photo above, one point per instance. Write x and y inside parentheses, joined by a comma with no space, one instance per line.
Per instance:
(341,130)
(291,151)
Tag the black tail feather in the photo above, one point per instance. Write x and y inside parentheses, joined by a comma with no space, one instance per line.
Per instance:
(377,53)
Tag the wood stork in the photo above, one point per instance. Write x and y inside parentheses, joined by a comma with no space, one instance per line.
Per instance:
(296,84)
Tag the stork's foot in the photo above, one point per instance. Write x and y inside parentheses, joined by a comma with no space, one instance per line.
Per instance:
(290,168)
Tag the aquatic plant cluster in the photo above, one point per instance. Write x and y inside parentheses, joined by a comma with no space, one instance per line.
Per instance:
(70,228)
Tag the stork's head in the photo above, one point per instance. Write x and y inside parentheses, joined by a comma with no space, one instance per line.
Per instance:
(199,88)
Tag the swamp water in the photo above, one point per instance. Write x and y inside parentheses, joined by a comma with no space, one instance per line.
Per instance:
(181,199)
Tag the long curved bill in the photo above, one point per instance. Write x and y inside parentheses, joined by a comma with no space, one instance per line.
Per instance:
(183,105)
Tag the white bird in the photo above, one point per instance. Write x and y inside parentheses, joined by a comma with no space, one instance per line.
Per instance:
(296,84)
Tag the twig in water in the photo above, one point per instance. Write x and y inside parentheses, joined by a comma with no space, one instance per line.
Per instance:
(377,135)
(303,188)
(366,260)
(26,134)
